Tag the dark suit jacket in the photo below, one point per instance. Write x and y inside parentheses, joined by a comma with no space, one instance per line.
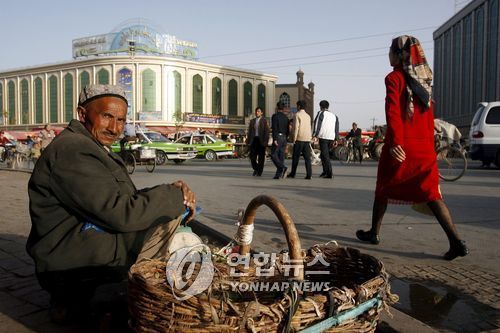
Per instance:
(263,132)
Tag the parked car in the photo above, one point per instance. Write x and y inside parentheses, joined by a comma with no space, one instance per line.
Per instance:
(165,148)
(484,135)
(208,146)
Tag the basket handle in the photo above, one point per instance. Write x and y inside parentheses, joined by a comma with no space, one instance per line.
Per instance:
(292,237)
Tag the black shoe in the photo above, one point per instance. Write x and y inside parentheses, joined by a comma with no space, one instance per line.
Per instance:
(328,177)
(307,177)
(283,172)
(276,177)
(259,174)
(254,173)
(457,250)
(290,176)
(368,236)
(322,175)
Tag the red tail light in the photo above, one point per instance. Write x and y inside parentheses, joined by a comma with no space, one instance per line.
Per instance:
(477,135)
(229,145)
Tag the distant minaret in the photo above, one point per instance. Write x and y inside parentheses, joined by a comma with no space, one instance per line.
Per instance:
(300,77)
(311,87)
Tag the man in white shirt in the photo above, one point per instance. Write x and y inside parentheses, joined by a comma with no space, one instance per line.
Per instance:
(326,129)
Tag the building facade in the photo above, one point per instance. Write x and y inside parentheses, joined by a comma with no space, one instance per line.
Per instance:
(466,62)
(163,88)
(289,94)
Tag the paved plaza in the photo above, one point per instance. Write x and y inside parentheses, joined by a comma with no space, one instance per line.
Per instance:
(462,295)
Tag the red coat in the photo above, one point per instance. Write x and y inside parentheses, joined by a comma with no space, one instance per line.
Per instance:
(416,179)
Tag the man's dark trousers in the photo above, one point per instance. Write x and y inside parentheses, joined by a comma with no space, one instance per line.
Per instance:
(301,148)
(278,154)
(324,147)
(257,156)
(358,150)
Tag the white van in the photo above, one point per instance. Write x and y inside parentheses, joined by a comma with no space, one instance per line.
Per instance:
(484,136)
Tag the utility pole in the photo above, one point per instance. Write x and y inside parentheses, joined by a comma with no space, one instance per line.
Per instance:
(373,122)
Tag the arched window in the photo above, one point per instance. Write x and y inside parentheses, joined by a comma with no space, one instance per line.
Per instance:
(11,106)
(247,99)
(261,98)
(38,94)
(1,104)
(103,76)
(53,99)
(68,97)
(124,80)
(25,100)
(177,96)
(197,94)
(148,90)
(285,99)
(216,96)
(84,79)
(232,103)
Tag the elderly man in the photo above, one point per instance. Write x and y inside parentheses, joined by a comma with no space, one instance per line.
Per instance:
(89,222)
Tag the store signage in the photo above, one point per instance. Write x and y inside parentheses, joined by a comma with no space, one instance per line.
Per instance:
(145,39)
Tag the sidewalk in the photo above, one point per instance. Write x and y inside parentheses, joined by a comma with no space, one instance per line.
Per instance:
(459,291)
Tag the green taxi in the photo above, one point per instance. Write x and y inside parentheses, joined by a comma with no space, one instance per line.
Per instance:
(208,146)
(164,147)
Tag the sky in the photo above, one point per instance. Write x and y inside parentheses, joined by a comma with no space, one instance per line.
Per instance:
(340,45)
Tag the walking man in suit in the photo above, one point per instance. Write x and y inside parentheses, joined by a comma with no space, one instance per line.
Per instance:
(258,136)
(279,125)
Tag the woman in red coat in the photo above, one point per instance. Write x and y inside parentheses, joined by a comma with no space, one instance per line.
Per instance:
(407,170)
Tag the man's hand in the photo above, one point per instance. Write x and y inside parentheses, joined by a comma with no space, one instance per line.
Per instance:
(398,153)
(188,197)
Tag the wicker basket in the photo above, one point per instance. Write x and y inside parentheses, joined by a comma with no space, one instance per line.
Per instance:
(355,279)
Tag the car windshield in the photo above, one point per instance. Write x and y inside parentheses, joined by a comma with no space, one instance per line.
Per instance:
(156,137)
(211,138)
(184,140)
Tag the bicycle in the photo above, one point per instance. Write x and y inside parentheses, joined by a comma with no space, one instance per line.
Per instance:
(134,154)
(451,158)
(345,151)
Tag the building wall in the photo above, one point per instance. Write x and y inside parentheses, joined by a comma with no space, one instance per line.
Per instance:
(151,96)
(296,92)
(466,62)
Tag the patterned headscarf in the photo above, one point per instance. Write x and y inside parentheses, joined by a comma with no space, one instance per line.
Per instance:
(417,72)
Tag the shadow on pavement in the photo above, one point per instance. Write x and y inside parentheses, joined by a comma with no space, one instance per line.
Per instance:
(27,304)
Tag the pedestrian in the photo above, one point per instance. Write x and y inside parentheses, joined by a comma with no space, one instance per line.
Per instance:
(279,127)
(258,137)
(129,135)
(301,138)
(326,130)
(47,135)
(357,145)
(89,222)
(407,170)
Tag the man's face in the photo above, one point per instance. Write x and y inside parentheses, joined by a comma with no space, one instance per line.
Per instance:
(258,113)
(104,118)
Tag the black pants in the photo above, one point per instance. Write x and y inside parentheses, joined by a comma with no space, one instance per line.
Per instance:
(278,154)
(358,150)
(324,147)
(301,148)
(257,156)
